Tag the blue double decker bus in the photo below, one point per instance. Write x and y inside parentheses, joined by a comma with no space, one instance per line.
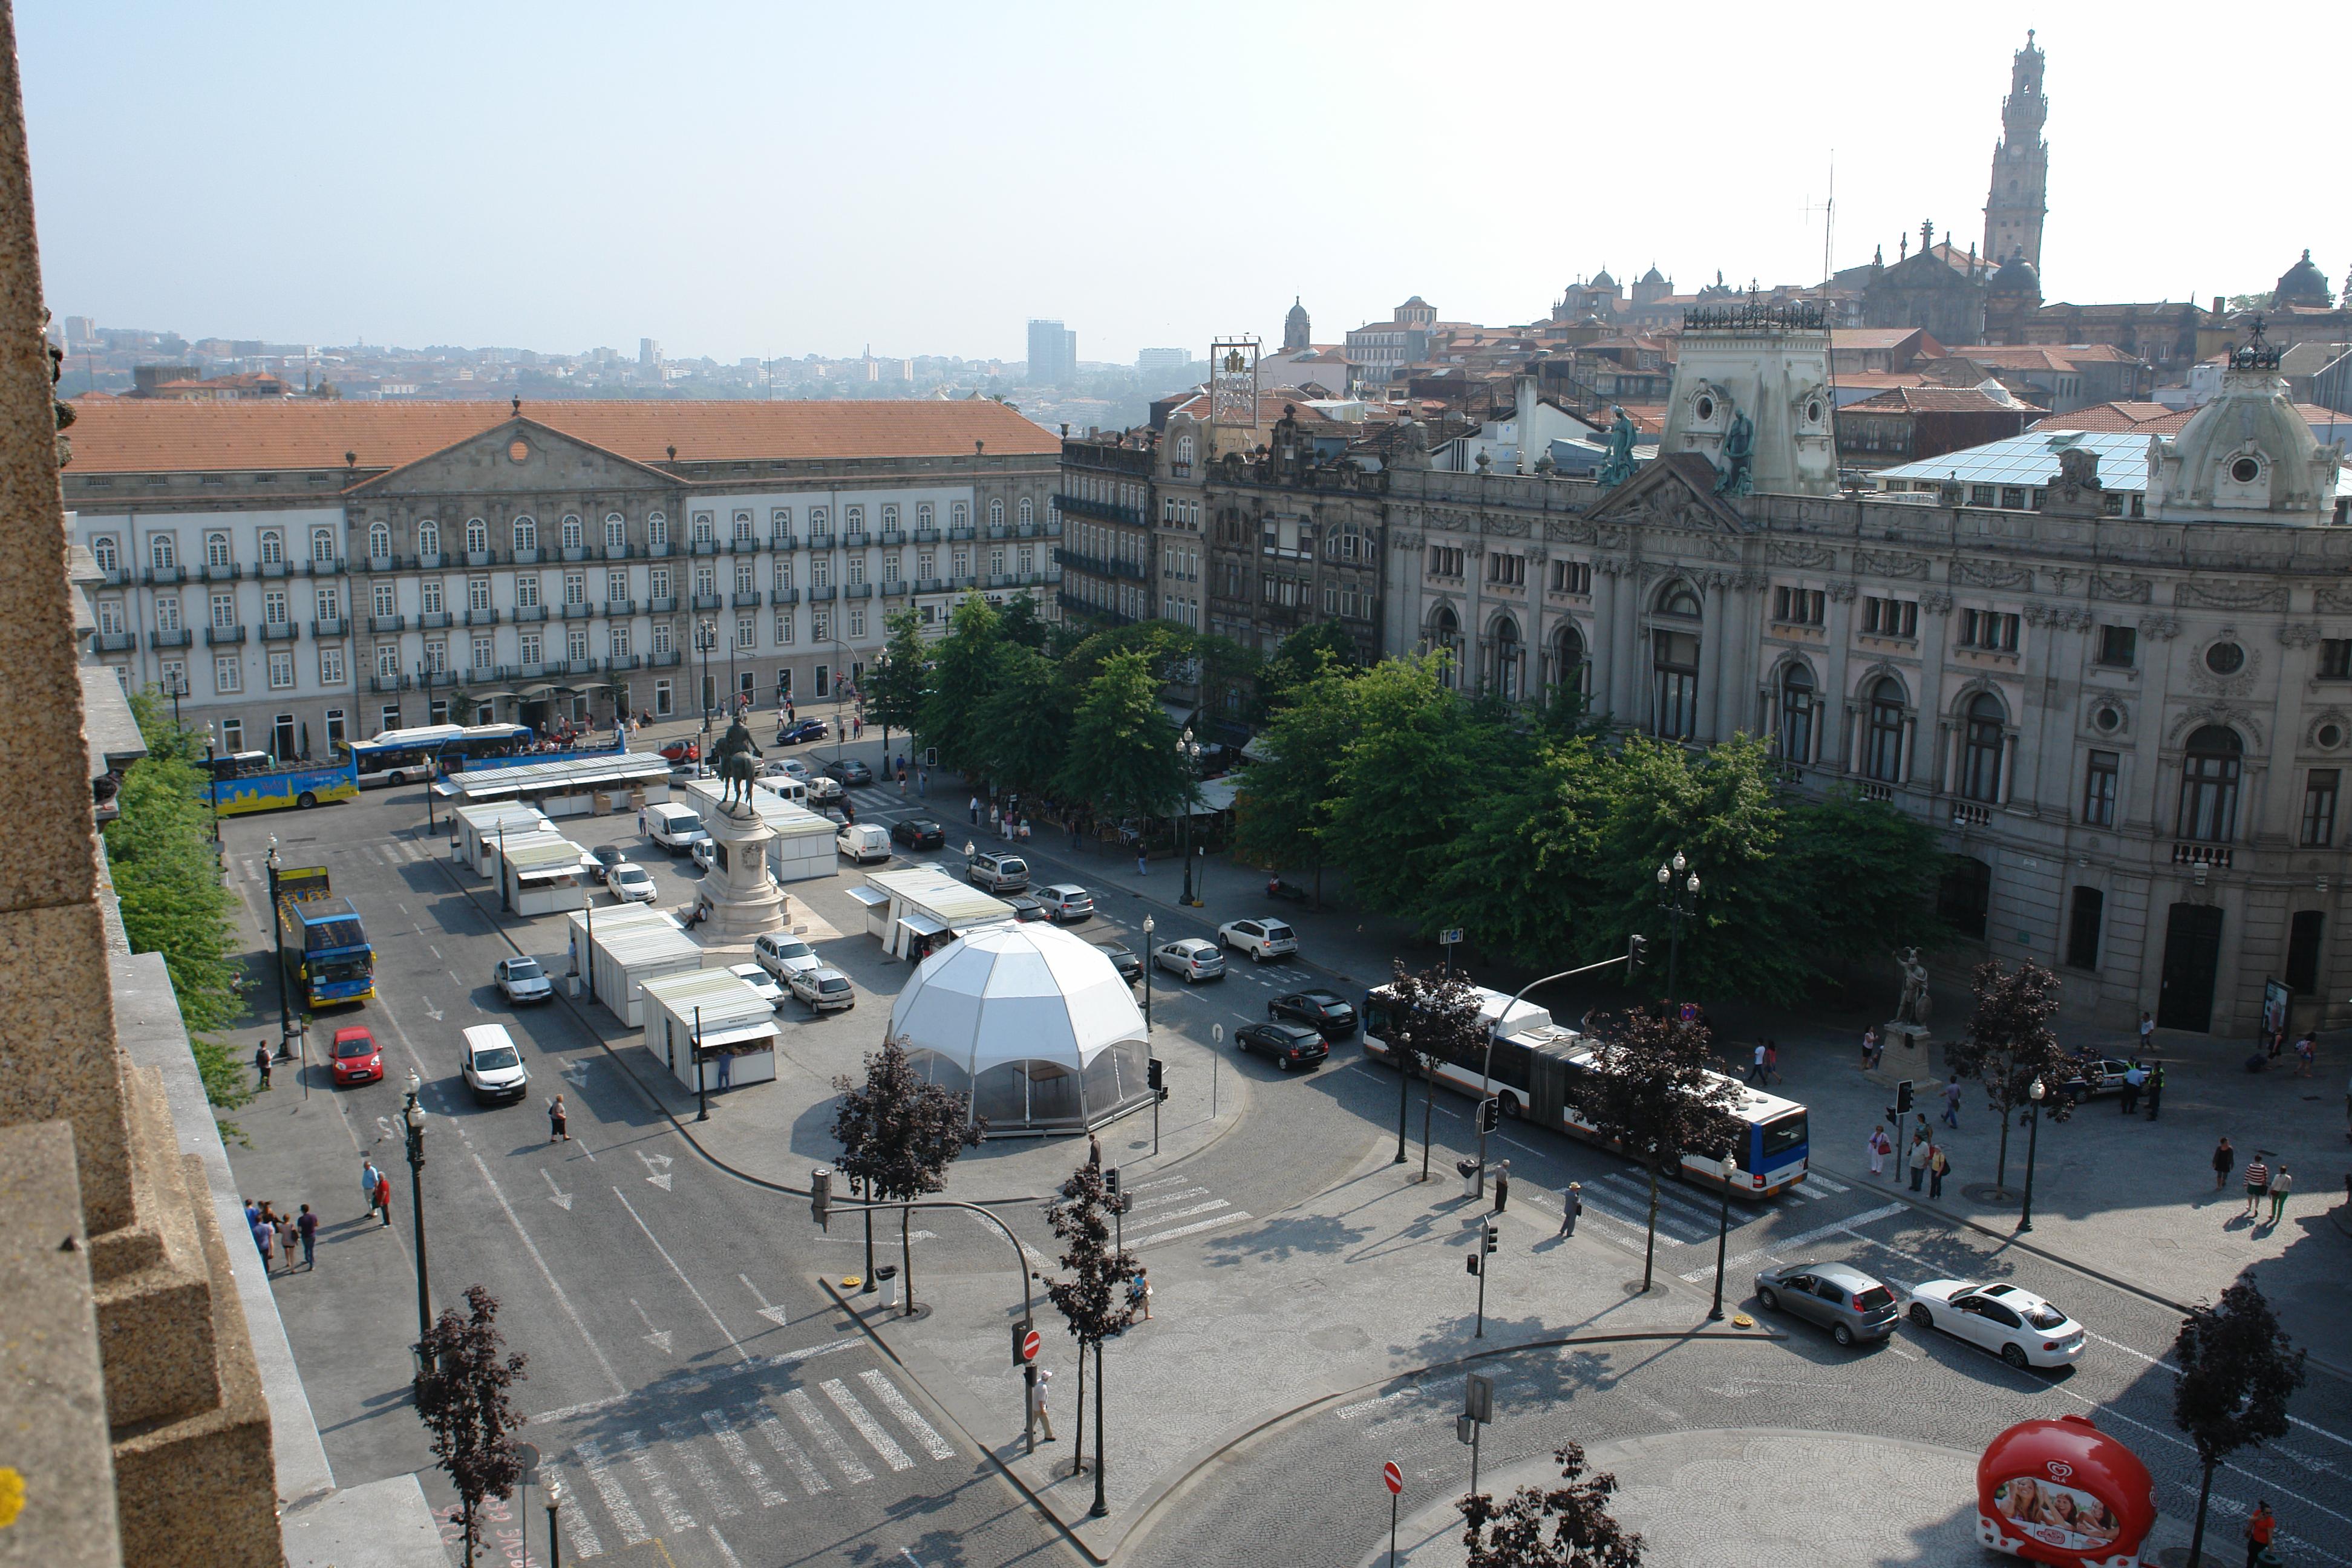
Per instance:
(247,782)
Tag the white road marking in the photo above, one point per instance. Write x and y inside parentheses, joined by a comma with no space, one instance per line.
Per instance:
(617,1498)
(561,1300)
(433,951)
(373,853)
(561,1199)
(1634,1187)
(1154,1239)
(658,1338)
(1137,1207)
(738,1453)
(905,1413)
(1637,1223)
(682,1280)
(1159,1182)
(721,1504)
(776,1315)
(1212,1206)
(828,1441)
(576,1528)
(664,1496)
(811,1480)
(1835,1186)
(1787,1244)
(724,1550)
(877,1438)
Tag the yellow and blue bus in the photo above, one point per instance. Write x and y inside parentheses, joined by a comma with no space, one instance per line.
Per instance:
(255,781)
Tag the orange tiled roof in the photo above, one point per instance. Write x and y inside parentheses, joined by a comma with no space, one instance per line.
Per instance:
(133,436)
(2154,418)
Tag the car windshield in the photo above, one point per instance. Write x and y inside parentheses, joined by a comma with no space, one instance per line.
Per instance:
(629,874)
(354,1048)
(1012,866)
(837,984)
(1277,931)
(495,1057)
(2042,1315)
(1872,1300)
(792,950)
(524,968)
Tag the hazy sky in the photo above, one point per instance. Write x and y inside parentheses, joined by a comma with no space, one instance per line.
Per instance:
(772,178)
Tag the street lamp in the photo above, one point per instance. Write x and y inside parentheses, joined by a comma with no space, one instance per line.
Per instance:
(1188,753)
(555,1539)
(2032,1139)
(1147,961)
(1722,1229)
(1677,908)
(413,1116)
(212,781)
(177,689)
(278,948)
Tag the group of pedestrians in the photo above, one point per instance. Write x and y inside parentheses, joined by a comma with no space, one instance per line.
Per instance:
(1927,1161)
(1765,1068)
(2261,1182)
(276,1235)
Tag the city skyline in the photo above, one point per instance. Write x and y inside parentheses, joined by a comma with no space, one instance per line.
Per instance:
(423,226)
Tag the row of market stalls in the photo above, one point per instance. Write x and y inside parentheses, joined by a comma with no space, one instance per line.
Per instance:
(803,847)
(639,963)
(566,787)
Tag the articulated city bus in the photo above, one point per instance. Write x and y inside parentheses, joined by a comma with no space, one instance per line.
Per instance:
(1537,1066)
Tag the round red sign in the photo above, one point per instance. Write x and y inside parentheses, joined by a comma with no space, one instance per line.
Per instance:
(1392,1478)
(1029,1345)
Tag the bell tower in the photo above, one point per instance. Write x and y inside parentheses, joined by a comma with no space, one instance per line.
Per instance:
(2020,166)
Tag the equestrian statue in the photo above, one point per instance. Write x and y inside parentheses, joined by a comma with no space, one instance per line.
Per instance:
(738,757)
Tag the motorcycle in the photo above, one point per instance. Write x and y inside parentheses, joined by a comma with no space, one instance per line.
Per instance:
(1275,887)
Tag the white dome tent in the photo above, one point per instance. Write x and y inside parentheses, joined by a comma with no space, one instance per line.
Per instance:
(1033,1022)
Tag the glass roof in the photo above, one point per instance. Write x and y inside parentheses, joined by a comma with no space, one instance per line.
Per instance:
(2032,459)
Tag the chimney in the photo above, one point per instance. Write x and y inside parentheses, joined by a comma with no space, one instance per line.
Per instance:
(2218,303)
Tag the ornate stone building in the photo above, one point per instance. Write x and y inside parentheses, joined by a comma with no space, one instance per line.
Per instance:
(2018,196)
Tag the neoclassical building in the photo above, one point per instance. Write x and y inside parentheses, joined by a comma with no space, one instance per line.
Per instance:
(301,572)
(2132,728)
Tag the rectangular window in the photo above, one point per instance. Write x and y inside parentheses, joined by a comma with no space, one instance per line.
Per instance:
(330,605)
(273,607)
(1507,571)
(617,584)
(857,569)
(281,671)
(224,610)
(232,735)
(661,636)
(746,634)
(109,617)
(575,587)
(2013,497)
(856,623)
(2118,646)
(384,601)
(167,613)
(2083,928)
(2099,790)
(481,653)
(387,662)
(659,582)
(2319,807)
(783,626)
(527,590)
(330,666)
(2335,658)
(436,654)
(1800,606)
(963,563)
(429,593)
(531,645)
(478,592)
(2302,951)
(1572,578)
(620,641)
(820,626)
(1983,495)
(743,577)
(228,673)
(576,643)
(1445,561)
(890,567)
(821,571)
(1891,617)
(823,677)
(1993,631)
(784,576)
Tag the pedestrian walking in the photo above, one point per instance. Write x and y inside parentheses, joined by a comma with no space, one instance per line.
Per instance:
(2306,1054)
(974,810)
(1952,1102)
(1921,1152)
(1881,1146)
(922,784)
(383,1197)
(2258,1183)
(1502,1187)
(2155,1090)
(995,821)
(2260,1525)
(2134,1075)
(641,823)
(1939,1165)
(2225,1160)
(261,1066)
(2281,1185)
(1037,1412)
(2146,1034)
(1138,1292)
(264,1240)
(557,1117)
(306,1226)
(1878,1047)
(1772,1061)
(370,1182)
(1093,1152)
(252,1214)
(1756,1070)
(1869,1037)
(286,1240)
(1140,869)
(1572,1204)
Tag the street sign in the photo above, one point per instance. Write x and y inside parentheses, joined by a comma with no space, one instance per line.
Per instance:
(1450,935)
(1688,1012)
(1478,1398)
(1392,1478)
(1030,1344)
(527,1456)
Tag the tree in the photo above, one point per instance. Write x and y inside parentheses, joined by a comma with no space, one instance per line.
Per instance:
(1019,623)
(2009,1046)
(2261,301)
(899,1134)
(1583,1534)
(1026,723)
(1436,1021)
(1865,873)
(1092,1295)
(963,673)
(1122,753)
(2237,1370)
(1649,1093)
(617,692)
(1285,797)
(1303,654)
(461,1396)
(1522,879)
(900,678)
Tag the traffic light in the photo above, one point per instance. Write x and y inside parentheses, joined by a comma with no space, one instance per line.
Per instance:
(1492,1236)
(1110,1185)
(1155,1073)
(1471,1259)
(1903,1097)
(1637,950)
(821,1196)
(1490,1114)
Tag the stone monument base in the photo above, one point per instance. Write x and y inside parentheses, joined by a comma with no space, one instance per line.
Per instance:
(739,897)
(1904,1035)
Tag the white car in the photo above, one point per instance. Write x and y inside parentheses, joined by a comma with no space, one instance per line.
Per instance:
(1067,903)
(757,978)
(783,955)
(2022,1328)
(521,980)
(705,854)
(1261,939)
(1193,958)
(630,884)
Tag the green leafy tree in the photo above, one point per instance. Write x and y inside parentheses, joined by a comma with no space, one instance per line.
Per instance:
(1026,723)
(1285,797)
(900,678)
(1567,1526)
(1651,1094)
(1092,1295)
(1018,621)
(2261,301)
(1303,655)
(2237,1369)
(1864,875)
(461,1396)
(1437,1020)
(963,674)
(1122,753)
(1524,880)
(899,1134)
(2010,1047)
(1225,673)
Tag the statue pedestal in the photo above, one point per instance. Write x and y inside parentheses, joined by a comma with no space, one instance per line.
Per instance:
(1904,1035)
(739,892)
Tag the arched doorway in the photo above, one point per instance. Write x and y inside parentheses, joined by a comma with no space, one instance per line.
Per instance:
(1506,659)
(1445,634)
(1673,664)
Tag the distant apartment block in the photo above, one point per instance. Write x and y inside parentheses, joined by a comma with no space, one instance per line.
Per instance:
(1053,355)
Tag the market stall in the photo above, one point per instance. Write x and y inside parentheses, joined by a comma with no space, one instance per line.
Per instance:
(736,1030)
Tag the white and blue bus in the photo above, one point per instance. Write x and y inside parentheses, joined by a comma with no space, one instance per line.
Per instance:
(426,751)
(1537,1064)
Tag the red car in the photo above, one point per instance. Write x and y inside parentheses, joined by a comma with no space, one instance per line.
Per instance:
(356,1058)
(682,752)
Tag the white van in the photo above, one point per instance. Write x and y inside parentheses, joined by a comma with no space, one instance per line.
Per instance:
(863,841)
(494,1068)
(673,826)
(786,787)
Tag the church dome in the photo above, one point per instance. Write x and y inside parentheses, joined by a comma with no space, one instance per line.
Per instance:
(1601,279)
(2016,277)
(1654,276)
(2245,451)
(1298,317)
(2301,284)
(1296,333)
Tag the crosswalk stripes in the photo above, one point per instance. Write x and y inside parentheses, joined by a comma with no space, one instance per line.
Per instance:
(721,1503)
(583,1535)
(1602,1201)
(906,1415)
(827,1440)
(811,1479)
(617,1506)
(1814,1176)
(880,1441)
(738,1454)
(1638,1190)
(656,1482)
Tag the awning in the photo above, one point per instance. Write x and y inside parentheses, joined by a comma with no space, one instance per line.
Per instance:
(1216,795)
(546,873)
(872,898)
(715,1042)
(1179,714)
(921,924)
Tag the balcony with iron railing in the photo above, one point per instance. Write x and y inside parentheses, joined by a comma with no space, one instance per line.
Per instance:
(2219,857)
(117,642)
(1071,602)
(659,552)
(169,639)
(959,531)
(963,583)
(326,566)
(666,605)
(433,621)
(387,683)
(821,594)
(526,557)
(622,607)
(895,587)
(481,558)
(747,600)
(481,617)
(706,601)
(281,631)
(705,547)
(783,542)
(858,591)
(274,569)
(1104,565)
(784,595)
(745,546)
(669,660)
(224,572)
(387,623)
(618,552)
(821,538)
(578,612)
(330,627)
(621,663)
(927,536)
(165,576)
(1101,510)
(224,637)
(893,536)
(529,613)
(930,585)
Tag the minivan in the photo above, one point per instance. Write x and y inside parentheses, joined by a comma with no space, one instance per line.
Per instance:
(863,841)
(786,787)
(999,873)
(673,826)
(494,1068)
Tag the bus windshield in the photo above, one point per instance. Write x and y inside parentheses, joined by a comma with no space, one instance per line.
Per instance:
(1784,1135)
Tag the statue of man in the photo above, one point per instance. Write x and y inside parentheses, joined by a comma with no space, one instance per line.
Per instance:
(1620,466)
(736,756)
(1738,449)
(1914,1006)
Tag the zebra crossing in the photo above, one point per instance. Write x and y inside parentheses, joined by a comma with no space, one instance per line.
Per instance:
(672,1475)
(392,854)
(1620,1201)
(1170,1208)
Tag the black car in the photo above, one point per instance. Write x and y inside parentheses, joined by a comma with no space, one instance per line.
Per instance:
(921,833)
(1123,959)
(1290,1045)
(603,857)
(848,771)
(1026,908)
(805,729)
(1325,1012)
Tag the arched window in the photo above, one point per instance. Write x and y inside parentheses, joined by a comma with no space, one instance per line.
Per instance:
(322,545)
(1446,633)
(743,526)
(574,536)
(997,514)
(477,536)
(1981,749)
(960,515)
(2208,785)
(526,534)
(428,538)
(1567,657)
(891,516)
(1183,452)
(1679,600)
(163,553)
(380,542)
(1028,511)
(1673,667)
(657,527)
(1506,659)
(102,550)
(1796,737)
(1883,740)
(704,530)
(617,532)
(215,549)
(924,515)
(273,547)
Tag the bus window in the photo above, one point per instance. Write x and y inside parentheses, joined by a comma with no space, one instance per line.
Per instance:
(1783,1136)
(1512,1061)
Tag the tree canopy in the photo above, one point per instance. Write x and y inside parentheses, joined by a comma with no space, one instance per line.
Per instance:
(461,1396)
(1122,751)
(896,685)
(2237,1370)
(1581,1532)
(1652,1092)
(2009,1046)
(963,674)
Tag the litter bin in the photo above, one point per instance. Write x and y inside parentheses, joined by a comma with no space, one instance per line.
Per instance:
(887,1274)
(1468,1170)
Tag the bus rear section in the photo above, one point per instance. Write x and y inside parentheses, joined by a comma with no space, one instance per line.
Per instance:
(323,945)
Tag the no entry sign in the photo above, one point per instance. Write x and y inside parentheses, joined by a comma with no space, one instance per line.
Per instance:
(1031,1344)
(1392,1478)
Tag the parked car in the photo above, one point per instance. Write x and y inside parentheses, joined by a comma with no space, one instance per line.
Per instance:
(493,1068)
(1026,908)
(799,731)
(1325,1012)
(630,884)
(1000,874)
(757,979)
(1290,1045)
(783,954)
(1067,902)
(823,791)
(823,988)
(919,833)
(523,980)
(1841,1297)
(848,771)
(681,752)
(704,853)
(1194,958)
(2084,1077)
(1123,959)
(603,857)
(1261,939)
(355,1057)
(785,768)
(862,841)
(2023,1329)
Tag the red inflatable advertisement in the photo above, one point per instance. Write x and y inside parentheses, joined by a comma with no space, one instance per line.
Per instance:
(2065,1492)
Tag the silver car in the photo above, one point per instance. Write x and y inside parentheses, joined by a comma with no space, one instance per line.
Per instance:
(1841,1297)
(1191,958)
(823,988)
(521,980)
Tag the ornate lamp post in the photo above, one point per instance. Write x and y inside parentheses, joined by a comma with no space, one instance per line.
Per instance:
(2032,1140)
(554,1537)
(1676,898)
(1188,753)
(278,948)
(1147,961)
(1722,1231)
(413,1116)
(705,634)
(212,779)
